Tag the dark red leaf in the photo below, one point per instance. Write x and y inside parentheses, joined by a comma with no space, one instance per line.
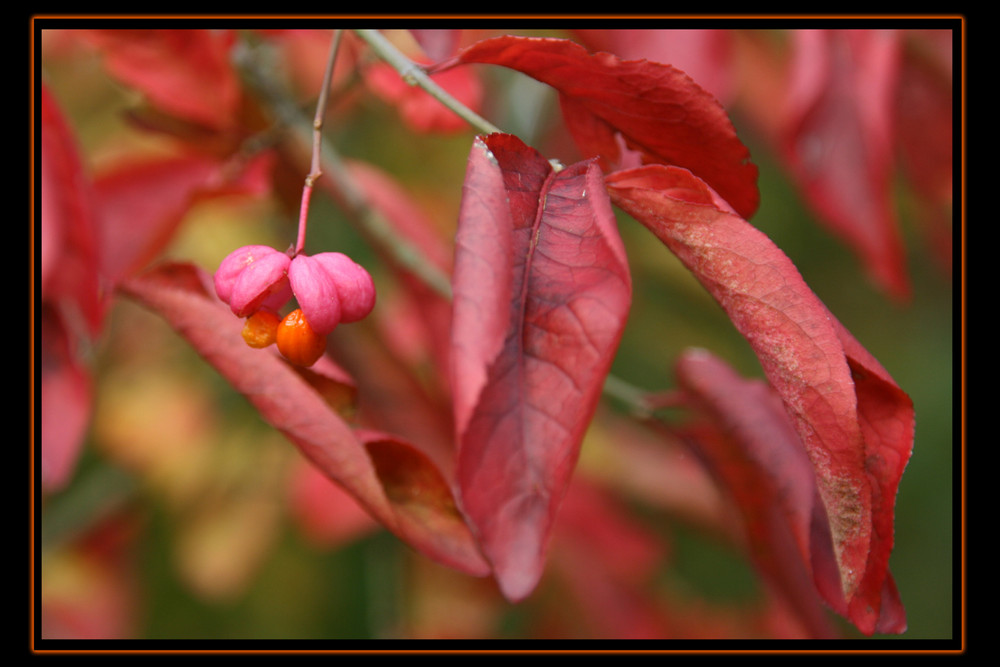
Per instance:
(923,107)
(657,109)
(541,292)
(808,359)
(706,55)
(759,463)
(412,503)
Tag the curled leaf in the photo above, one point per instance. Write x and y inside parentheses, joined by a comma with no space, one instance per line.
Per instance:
(541,292)
(857,425)
(657,109)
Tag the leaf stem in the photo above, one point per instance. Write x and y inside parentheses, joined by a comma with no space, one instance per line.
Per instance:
(634,398)
(341,183)
(413,74)
(315,170)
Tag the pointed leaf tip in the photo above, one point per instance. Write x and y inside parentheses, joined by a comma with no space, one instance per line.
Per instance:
(542,290)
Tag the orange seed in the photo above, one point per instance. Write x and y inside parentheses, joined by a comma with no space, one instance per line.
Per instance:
(297,341)
(261,328)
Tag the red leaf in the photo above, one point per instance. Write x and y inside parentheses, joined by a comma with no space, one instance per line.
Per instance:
(72,307)
(924,105)
(596,519)
(69,252)
(605,561)
(657,109)
(838,135)
(807,357)
(143,200)
(183,72)
(887,423)
(541,293)
(753,449)
(418,109)
(924,139)
(706,55)
(412,503)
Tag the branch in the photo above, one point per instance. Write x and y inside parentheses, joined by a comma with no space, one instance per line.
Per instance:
(369,220)
(414,75)
(315,170)
(350,195)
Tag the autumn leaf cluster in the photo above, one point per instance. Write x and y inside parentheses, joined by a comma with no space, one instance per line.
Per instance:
(516,308)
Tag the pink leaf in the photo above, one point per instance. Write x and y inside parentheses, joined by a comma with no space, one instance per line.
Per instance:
(656,108)
(807,358)
(541,292)
(416,320)
(414,503)
(403,211)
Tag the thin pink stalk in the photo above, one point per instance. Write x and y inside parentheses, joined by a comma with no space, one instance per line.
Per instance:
(315,170)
